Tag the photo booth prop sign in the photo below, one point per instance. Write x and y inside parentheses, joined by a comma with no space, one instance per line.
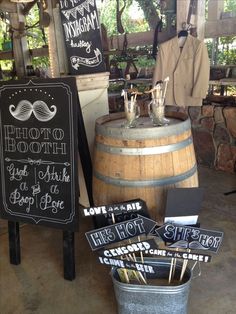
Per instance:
(190,237)
(38,133)
(126,207)
(141,246)
(99,238)
(144,268)
(119,212)
(82,36)
(177,254)
(183,205)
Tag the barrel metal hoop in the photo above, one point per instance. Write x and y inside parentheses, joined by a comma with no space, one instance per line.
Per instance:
(144,150)
(147,183)
(139,134)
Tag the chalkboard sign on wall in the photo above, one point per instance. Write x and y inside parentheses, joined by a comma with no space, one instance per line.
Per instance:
(82,36)
(39,177)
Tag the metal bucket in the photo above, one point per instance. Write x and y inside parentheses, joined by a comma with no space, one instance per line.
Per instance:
(147,299)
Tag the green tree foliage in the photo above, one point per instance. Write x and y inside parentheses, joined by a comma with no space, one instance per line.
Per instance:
(227,50)
(229,5)
(129,21)
(150,12)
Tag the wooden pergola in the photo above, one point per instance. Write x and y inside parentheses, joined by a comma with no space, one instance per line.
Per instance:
(217,24)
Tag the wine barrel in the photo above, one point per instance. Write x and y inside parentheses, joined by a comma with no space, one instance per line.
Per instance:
(142,162)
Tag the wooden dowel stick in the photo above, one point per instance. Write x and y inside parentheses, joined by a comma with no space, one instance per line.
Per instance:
(184,266)
(124,270)
(171,267)
(140,274)
(175,260)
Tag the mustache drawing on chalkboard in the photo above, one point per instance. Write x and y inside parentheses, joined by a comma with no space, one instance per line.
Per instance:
(89,62)
(39,108)
(194,245)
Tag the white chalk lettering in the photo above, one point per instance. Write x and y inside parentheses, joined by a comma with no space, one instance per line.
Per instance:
(51,175)
(15,173)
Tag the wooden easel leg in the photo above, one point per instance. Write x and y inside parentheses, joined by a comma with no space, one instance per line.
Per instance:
(14,242)
(69,255)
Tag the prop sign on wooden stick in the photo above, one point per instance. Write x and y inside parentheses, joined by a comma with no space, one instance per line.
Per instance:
(177,254)
(190,237)
(127,207)
(129,265)
(130,248)
(118,232)
(82,36)
(39,152)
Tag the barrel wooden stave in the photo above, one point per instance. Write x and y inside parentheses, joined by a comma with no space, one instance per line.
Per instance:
(122,172)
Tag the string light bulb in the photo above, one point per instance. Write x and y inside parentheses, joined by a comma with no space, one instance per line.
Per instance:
(21,1)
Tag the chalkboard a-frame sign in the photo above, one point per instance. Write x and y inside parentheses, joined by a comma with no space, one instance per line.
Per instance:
(38,133)
(81,29)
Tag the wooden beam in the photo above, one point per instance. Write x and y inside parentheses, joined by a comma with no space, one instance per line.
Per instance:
(7,6)
(215,8)
(6,55)
(138,39)
(219,28)
(38,52)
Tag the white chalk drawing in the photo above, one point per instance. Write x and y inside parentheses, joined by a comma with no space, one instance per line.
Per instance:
(39,108)
(89,62)
(38,162)
(85,6)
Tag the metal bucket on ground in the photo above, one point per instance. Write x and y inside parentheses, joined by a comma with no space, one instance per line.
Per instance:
(142,162)
(153,299)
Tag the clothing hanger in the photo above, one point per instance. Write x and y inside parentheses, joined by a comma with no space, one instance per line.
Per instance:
(185,29)
(183,33)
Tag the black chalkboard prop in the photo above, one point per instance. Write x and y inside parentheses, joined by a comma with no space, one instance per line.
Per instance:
(190,237)
(134,247)
(69,254)
(39,152)
(120,212)
(82,36)
(144,268)
(183,205)
(99,238)
(118,208)
(178,254)
(14,242)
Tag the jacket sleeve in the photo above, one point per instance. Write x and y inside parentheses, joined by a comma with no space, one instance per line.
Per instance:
(201,72)
(157,75)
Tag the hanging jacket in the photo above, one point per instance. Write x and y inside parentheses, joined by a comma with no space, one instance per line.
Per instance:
(187,68)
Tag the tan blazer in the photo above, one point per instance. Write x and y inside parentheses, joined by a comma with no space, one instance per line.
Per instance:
(188,71)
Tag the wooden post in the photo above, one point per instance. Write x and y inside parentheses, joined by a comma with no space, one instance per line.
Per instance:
(181,13)
(20,47)
(52,42)
(61,48)
(197,18)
